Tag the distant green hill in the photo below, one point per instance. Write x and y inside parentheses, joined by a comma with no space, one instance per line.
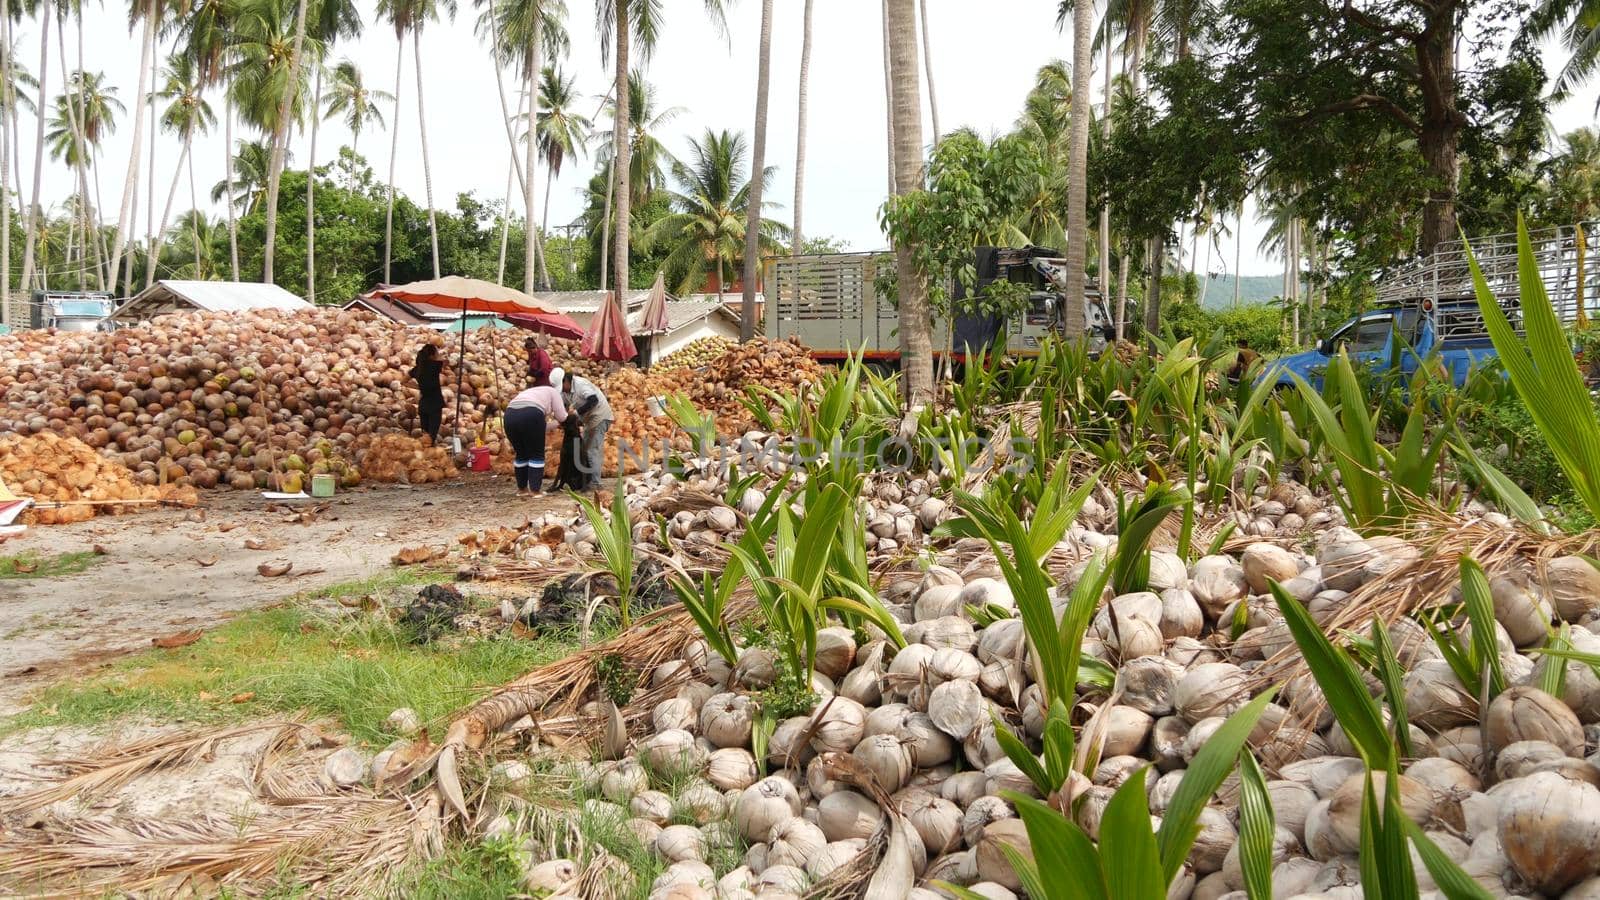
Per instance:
(1252,289)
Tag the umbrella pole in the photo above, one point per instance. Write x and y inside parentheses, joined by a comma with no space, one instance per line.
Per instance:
(461,358)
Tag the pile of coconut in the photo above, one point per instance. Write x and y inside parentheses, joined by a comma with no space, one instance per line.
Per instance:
(1512,793)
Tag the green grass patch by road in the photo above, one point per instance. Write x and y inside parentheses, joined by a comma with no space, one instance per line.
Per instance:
(352,666)
(34,565)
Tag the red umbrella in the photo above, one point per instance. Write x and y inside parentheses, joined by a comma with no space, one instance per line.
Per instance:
(608,336)
(553,324)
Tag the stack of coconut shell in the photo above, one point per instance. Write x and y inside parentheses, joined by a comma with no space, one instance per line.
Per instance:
(55,470)
(1511,792)
(218,399)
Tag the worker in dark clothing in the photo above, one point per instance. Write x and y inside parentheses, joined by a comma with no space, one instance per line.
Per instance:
(527,415)
(588,403)
(430,405)
(1242,362)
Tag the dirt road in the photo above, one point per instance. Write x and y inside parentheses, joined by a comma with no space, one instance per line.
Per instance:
(170,570)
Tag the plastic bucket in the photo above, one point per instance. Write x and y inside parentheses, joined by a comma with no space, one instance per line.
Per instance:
(478,459)
(322,485)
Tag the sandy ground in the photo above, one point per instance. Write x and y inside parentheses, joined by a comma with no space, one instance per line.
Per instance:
(172,570)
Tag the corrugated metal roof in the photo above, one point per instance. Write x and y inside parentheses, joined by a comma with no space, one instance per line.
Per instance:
(232,296)
(680,313)
(586,301)
(211,296)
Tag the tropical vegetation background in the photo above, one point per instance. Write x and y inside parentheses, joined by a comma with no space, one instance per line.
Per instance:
(1360,136)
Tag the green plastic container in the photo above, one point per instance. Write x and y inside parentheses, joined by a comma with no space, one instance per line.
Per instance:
(322,485)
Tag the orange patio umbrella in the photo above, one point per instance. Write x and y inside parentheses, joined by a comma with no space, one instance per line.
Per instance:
(454,292)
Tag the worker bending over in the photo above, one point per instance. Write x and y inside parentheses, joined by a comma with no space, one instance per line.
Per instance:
(588,403)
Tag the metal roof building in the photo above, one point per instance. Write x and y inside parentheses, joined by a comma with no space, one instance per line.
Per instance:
(208,296)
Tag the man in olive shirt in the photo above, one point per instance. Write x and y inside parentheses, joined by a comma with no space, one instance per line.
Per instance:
(587,402)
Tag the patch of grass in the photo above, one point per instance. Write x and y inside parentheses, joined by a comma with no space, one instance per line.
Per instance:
(379,583)
(355,668)
(33,565)
(468,870)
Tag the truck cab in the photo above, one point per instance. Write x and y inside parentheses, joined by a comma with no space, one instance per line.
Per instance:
(1399,337)
(72,311)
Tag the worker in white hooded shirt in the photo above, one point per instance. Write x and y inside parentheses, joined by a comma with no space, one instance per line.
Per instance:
(588,403)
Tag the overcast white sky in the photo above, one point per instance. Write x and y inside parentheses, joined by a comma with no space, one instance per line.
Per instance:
(984,58)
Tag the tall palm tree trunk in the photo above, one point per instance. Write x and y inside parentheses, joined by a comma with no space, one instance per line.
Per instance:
(78,169)
(31,238)
(233,222)
(1238,245)
(888,102)
(394,151)
(530,249)
(1078,166)
(422,130)
(150,192)
(166,212)
(8,128)
(1152,306)
(505,228)
(758,161)
(798,232)
(127,216)
(622,158)
(311,194)
(1104,278)
(605,227)
(917,359)
(132,245)
(280,141)
(194,220)
(927,65)
(92,216)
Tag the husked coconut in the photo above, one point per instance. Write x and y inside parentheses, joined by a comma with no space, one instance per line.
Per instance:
(1573,585)
(1523,613)
(960,869)
(1004,775)
(987,592)
(937,820)
(1005,639)
(945,631)
(763,805)
(982,813)
(1264,563)
(793,841)
(837,725)
(1435,698)
(673,751)
(672,714)
(1149,682)
(1217,582)
(845,814)
(834,856)
(731,768)
(678,843)
(757,668)
(1549,828)
(1324,774)
(1168,735)
(1525,713)
(652,805)
(957,708)
(923,739)
(1582,693)
(886,758)
(954,665)
(1344,806)
(1181,615)
(963,788)
(1463,745)
(1217,835)
(701,803)
(622,781)
(1284,846)
(938,601)
(1125,730)
(836,651)
(993,862)
(1211,689)
(788,745)
(1167,570)
(1131,625)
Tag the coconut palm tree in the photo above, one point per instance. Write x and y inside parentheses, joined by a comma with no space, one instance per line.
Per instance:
(706,232)
(352,102)
(1078,166)
(188,247)
(251,168)
(30,239)
(752,231)
(523,32)
(101,109)
(409,17)
(648,159)
(332,20)
(14,80)
(270,52)
(916,340)
(561,131)
(618,22)
(151,14)
(205,33)
(797,235)
(1576,23)
(187,114)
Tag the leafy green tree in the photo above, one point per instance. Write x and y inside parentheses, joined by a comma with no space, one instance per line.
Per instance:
(100,108)
(350,101)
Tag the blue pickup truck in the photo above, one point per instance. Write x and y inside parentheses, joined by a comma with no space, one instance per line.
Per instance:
(1450,331)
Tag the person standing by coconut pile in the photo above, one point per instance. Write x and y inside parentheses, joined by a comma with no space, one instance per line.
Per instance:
(526,417)
(539,364)
(428,373)
(589,404)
